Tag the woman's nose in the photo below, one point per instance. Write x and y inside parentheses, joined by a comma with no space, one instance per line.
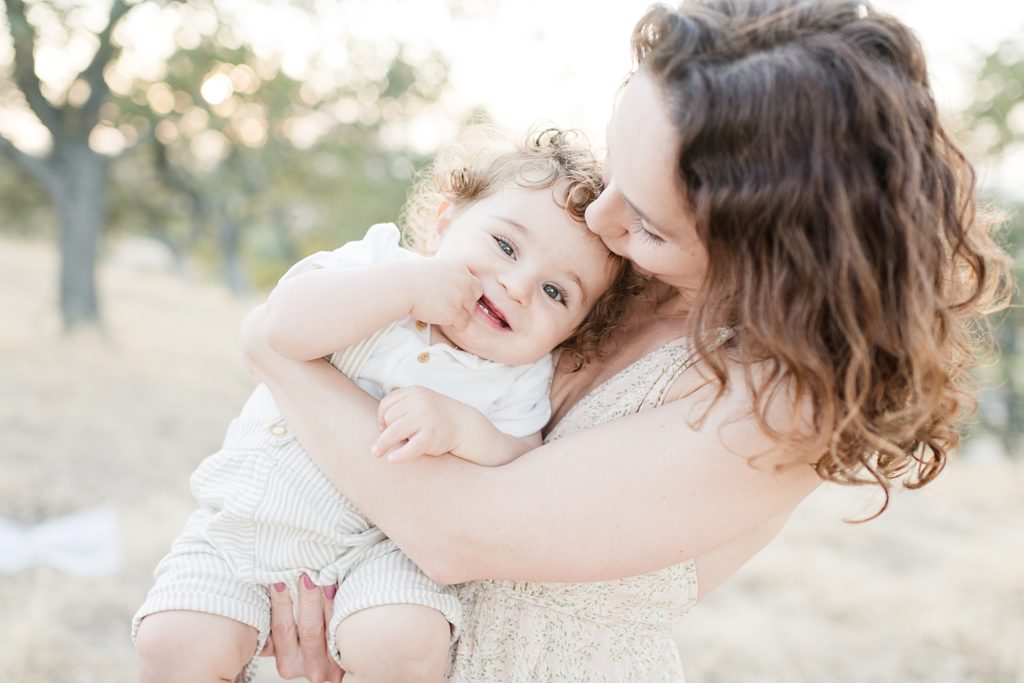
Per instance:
(605,216)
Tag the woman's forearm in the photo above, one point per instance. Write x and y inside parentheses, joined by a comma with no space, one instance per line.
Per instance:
(336,422)
(629,496)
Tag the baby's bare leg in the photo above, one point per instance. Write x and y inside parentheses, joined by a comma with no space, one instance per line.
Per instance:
(394,643)
(192,647)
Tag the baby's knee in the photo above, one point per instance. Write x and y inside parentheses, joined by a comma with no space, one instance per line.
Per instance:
(394,643)
(192,646)
(159,646)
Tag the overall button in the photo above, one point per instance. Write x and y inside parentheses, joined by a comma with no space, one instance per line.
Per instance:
(423,357)
(420,325)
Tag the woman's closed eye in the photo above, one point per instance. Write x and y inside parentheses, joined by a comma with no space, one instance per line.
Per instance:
(640,229)
(505,246)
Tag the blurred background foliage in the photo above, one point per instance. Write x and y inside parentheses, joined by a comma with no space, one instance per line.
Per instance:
(218,154)
(996,143)
(238,168)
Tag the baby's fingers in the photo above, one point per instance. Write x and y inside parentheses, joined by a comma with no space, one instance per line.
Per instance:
(390,409)
(393,436)
(477,287)
(415,447)
(461,316)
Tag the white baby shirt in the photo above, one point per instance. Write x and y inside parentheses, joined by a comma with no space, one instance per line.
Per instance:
(514,398)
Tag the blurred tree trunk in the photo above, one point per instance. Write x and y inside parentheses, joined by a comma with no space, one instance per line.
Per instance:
(75,176)
(229,236)
(208,206)
(79,195)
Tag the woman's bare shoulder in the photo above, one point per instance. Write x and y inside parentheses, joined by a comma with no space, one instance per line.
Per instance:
(752,421)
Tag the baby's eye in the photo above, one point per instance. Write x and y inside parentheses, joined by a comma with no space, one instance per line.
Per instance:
(554,292)
(505,246)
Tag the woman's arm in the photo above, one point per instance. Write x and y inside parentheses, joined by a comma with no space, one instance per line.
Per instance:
(620,499)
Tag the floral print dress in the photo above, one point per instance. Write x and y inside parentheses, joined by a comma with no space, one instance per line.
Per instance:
(519,631)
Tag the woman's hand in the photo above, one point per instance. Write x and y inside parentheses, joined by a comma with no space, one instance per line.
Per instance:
(299,644)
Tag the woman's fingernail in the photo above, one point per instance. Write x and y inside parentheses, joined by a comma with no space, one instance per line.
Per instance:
(279,587)
(330,591)
(308,582)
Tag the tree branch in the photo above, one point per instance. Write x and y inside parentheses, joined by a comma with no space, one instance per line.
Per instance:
(93,74)
(36,167)
(23,36)
(176,179)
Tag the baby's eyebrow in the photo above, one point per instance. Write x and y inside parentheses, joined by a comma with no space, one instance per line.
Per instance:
(579,283)
(515,224)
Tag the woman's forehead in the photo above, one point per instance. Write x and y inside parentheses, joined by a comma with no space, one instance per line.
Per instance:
(643,147)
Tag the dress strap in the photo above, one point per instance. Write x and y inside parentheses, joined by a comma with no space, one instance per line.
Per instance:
(681,355)
(635,388)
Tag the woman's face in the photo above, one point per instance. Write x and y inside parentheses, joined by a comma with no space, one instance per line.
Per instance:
(642,214)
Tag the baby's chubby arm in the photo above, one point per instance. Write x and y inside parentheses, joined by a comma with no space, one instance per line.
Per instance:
(417,421)
(315,312)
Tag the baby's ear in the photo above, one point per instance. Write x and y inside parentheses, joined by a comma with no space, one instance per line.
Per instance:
(445,212)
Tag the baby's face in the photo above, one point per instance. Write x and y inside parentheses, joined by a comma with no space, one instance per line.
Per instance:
(541,272)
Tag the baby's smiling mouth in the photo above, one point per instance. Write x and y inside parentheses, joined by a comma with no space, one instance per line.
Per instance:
(493,312)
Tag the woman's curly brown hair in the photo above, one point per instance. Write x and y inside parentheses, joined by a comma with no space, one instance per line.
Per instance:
(481,163)
(840,222)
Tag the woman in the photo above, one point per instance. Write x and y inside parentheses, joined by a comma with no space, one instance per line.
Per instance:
(817,271)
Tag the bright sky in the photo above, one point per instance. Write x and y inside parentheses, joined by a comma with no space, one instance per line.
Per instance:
(562,60)
(539,59)
(524,60)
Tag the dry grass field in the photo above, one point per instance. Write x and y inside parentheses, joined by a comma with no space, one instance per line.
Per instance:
(933,591)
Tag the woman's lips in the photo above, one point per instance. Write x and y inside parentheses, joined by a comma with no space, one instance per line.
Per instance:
(492,314)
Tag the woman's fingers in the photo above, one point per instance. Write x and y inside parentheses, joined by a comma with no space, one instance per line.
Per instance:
(283,643)
(301,648)
(329,593)
(319,667)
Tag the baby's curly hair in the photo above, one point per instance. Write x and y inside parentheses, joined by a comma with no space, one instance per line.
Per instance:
(481,163)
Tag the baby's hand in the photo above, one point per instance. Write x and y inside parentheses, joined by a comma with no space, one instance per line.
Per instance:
(416,421)
(444,291)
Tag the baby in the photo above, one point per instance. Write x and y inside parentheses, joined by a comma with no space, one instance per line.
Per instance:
(455,336)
